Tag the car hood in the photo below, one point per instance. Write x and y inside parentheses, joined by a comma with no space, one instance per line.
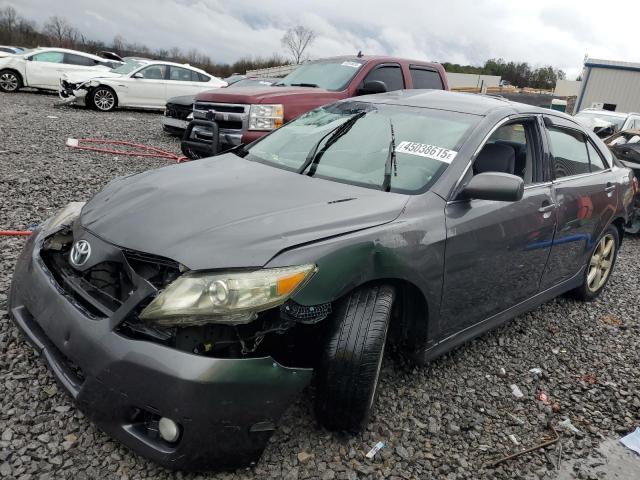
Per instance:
(257,94)
(186,100)
(99,73)
(228,212)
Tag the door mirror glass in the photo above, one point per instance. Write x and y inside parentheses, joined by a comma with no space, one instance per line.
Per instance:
(372,86)
(501,187)
(138,75)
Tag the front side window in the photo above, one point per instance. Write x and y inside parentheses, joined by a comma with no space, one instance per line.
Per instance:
(332,75)
(423,78)
(51,57)
(595,159)
(352,143)
(154,72)
(570,153)
(391,75)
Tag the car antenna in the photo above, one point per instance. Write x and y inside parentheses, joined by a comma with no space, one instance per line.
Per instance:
(360,54)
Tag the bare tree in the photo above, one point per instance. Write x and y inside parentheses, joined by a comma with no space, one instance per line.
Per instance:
(296,41)
(61,32)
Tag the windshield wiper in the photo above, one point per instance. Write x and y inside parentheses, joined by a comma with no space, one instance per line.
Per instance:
(391,161)
(314,156)
(313,85)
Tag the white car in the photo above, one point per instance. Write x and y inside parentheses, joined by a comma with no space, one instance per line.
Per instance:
(6,50)
(137,84)
(43,67)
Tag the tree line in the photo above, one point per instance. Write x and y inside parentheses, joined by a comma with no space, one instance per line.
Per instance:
(16,30)
(519,74)
(58,32)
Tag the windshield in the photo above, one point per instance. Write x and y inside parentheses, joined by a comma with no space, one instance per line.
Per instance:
(332,75)
(590,117)
(426,141)
(127,67)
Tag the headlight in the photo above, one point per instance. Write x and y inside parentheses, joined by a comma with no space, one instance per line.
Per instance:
(66,216)
(228,298)
(265,117)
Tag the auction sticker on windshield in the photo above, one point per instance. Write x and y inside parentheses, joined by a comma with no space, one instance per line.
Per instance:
(429,151)
(351,64)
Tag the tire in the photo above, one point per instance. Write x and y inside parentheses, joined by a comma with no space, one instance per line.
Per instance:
(347,377)
(10,81)
(604,254)
(103,99)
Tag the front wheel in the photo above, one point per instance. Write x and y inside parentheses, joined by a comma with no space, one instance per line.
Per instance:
(10,81)
(600,265)
(103,99)
(347,377)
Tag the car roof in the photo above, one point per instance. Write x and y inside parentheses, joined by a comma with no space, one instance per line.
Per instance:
(174,64)
(471,103)
(66,50)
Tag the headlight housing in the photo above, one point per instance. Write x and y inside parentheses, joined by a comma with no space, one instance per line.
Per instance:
(65,216)
(232,298)
(265,117)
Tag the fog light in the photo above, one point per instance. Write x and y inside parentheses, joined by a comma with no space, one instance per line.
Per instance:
(169,430)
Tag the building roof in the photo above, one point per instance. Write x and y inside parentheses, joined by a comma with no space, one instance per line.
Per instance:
(612,64)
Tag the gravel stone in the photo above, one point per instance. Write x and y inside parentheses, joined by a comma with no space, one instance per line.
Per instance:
(587,351)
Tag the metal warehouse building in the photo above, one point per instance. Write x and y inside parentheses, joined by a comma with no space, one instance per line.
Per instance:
(610,85)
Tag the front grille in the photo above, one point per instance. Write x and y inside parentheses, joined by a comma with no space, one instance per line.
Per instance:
(180,112)
(158,271)
(228,116)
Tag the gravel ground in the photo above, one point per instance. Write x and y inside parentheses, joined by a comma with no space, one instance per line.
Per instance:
(449,419)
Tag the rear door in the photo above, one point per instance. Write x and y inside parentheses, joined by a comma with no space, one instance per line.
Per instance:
(44,69)
(584,194)
(496,252)
(183,81)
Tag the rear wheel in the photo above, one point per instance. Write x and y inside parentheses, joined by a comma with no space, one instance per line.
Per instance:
(347,377)
(10,81)
(103,98)
(600,265)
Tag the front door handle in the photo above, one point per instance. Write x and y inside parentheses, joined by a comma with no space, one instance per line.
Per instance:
(610,188)
(546,209)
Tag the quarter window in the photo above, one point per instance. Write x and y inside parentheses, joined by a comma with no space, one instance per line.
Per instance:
(423,78)
(51,57)
(391,75)
(596,161)
(569,149)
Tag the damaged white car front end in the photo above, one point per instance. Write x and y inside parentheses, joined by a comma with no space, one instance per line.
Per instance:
(74,88)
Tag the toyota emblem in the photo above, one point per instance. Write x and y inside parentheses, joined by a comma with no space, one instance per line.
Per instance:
(80,253)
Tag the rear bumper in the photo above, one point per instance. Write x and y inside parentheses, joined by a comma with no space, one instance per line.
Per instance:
(227,408)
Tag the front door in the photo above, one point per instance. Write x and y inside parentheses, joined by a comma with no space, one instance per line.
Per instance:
(585,196)
(496,252)
(45,69)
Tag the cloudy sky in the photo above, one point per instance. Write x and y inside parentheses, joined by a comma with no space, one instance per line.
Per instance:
(541,32)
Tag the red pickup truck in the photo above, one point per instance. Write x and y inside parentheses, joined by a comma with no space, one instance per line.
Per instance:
(225,118)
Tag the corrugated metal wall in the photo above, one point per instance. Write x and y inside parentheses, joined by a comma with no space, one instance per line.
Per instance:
(619,87)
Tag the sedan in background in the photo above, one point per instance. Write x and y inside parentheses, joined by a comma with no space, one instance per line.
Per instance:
(184,308)
(605,123)
(138,84)
(42,68)
(5,50)
(179,110)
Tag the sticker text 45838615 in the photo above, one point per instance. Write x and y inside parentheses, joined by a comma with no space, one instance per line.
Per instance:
(430,151)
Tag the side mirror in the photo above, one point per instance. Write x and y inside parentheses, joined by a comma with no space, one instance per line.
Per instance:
(374,86)
(501,187)
(137,75)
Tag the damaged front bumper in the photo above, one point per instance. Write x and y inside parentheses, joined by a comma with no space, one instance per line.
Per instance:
(226,408)
(72,93)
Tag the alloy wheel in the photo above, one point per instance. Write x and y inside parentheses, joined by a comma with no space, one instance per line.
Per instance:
(104,99)
(601,263)
(8,82)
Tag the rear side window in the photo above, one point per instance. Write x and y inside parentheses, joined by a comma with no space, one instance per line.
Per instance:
(180,74)
(597,163)
(391,75)
(52,57)
(570,152)
(423,78)
(154,72)
(71,59)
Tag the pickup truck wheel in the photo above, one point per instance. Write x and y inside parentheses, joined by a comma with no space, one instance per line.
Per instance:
(347,377)
(10,81)
(103,98)
(599,266)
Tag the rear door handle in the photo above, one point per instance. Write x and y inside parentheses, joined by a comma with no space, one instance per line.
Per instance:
(610,188)
(547,208)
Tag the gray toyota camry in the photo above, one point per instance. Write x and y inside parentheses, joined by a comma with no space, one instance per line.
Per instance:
(183,308)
